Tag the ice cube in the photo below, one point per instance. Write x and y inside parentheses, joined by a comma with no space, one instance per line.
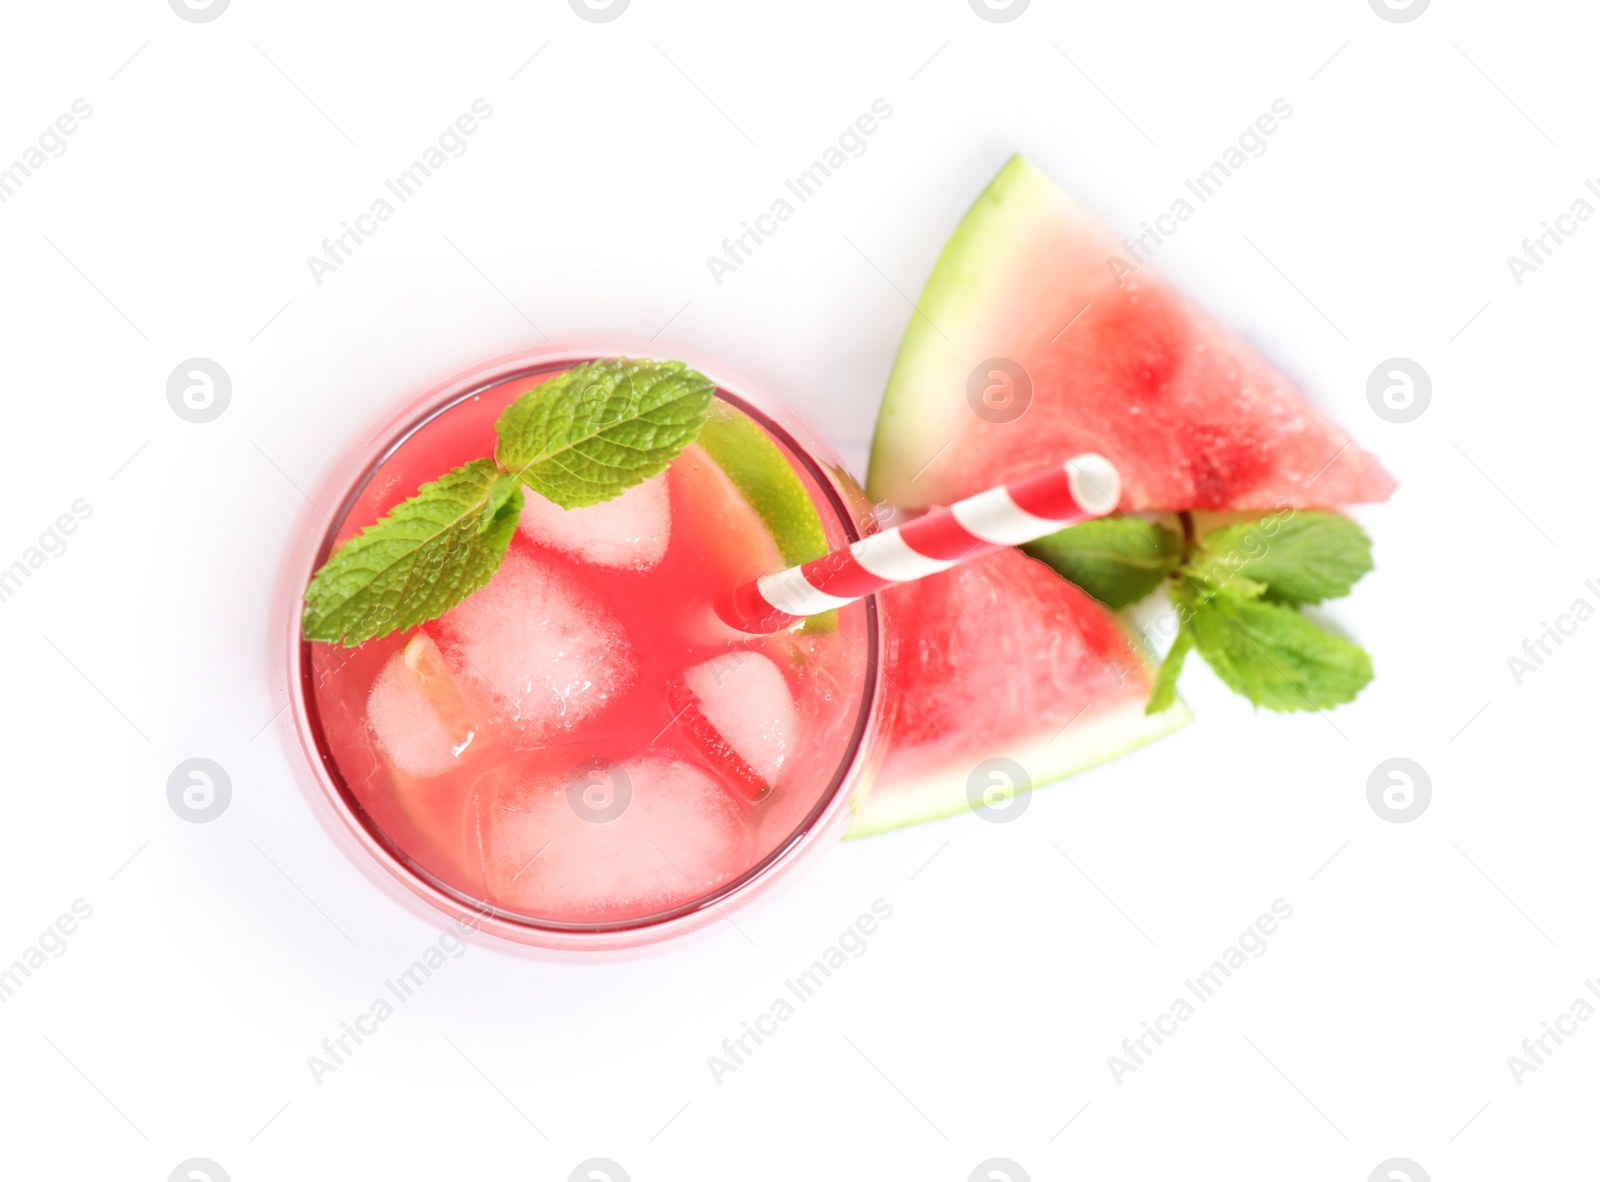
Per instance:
(745,698)
(630,531)
(416,713)
(530,637)
(597,841)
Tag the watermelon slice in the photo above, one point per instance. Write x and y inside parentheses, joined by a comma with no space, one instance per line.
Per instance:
(1002,657)
(1191,415)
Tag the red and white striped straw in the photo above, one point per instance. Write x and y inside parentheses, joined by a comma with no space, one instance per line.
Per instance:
(1085,486)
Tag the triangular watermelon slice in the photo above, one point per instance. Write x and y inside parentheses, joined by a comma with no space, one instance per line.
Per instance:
(1191,415)
(1002,657)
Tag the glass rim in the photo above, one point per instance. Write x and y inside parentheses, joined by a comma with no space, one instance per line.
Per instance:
(390,854)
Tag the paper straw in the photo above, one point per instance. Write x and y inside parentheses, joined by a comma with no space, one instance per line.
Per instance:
(1086,486)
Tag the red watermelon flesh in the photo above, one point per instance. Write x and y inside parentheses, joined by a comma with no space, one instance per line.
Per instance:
(1002,657)
(1192,416)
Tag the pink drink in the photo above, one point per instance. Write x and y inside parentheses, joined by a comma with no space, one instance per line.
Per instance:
(581,752)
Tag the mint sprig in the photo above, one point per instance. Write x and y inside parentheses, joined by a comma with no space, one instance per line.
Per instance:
(1237,593)
(585,436)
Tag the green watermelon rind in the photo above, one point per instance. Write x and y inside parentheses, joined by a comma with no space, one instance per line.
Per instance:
(918,416)
(1093,741)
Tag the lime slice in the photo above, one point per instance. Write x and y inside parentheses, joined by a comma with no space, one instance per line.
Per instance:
(761,472)
(439,687)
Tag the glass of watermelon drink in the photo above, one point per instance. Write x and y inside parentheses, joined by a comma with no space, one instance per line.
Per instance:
(581,754)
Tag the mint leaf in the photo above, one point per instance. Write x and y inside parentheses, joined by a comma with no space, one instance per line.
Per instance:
(1308,558)
(1166,685)
(428,554)
(595,431)
(1273,655)
(1118,560)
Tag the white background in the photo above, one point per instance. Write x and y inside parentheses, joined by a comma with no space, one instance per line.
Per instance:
(978,1023)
